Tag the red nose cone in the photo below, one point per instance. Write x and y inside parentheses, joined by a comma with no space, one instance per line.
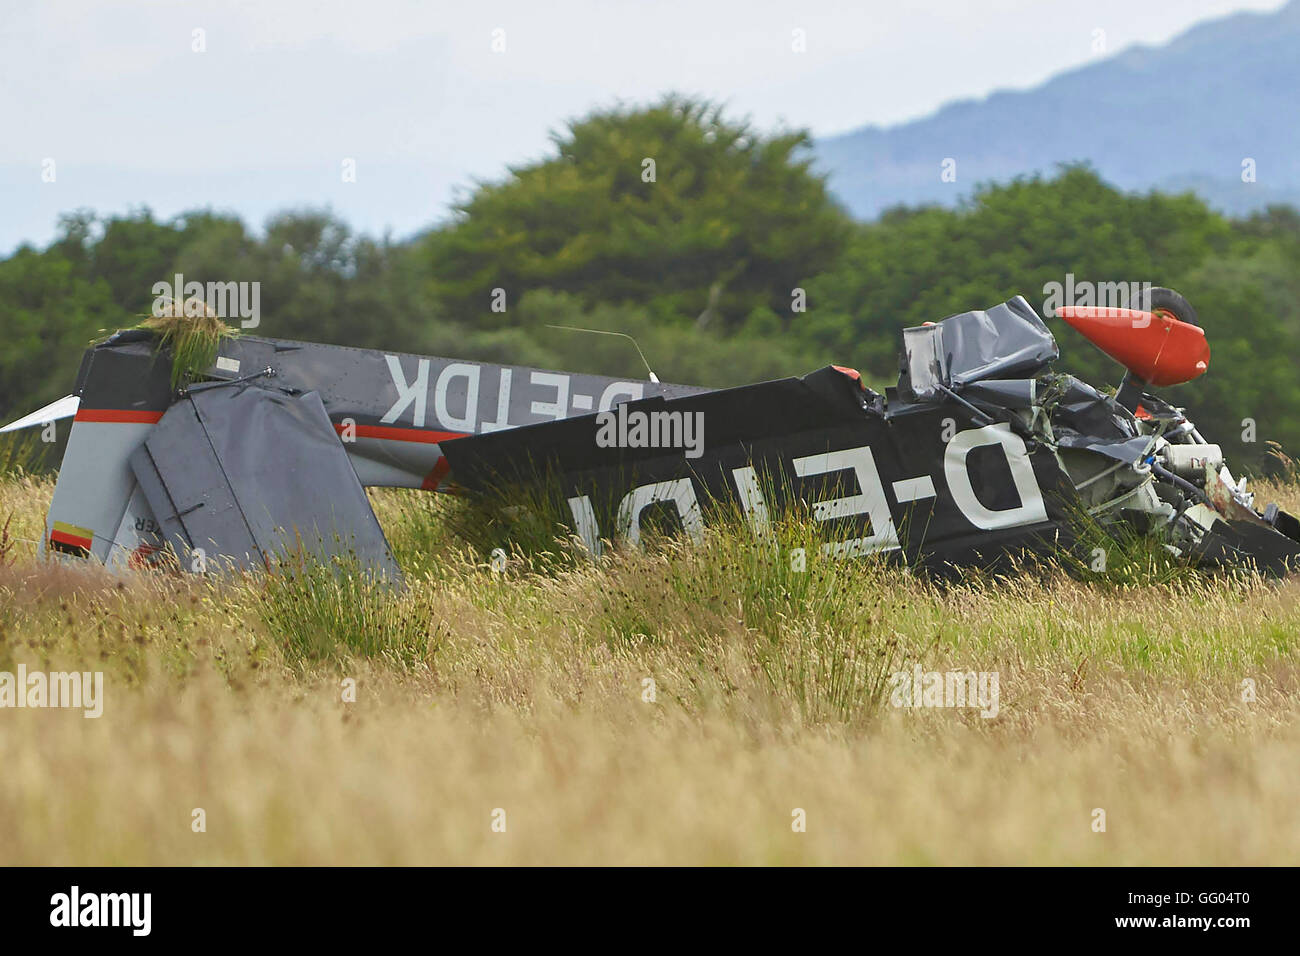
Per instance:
(1152,345)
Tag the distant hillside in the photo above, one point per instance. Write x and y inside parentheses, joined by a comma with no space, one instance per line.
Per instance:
(1181,116)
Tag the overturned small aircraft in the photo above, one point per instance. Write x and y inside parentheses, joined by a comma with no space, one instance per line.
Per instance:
(980,451)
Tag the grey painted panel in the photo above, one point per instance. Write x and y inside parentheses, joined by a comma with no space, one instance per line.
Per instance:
(1006,341)
(428,392)
(246,472)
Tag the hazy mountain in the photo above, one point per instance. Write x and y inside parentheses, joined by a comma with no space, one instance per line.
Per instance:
(1185,115)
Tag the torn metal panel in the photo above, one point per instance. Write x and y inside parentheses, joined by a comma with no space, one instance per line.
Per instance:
(1127,450)
(247,474)
(926,368)
(1006,341)
(1240,543)
(1014,393)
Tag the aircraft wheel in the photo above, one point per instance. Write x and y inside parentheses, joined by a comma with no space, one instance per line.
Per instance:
(1171,303)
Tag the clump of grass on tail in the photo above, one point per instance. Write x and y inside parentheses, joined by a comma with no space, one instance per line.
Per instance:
(192,333)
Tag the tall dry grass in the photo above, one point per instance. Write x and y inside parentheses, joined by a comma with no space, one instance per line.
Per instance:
(528,691)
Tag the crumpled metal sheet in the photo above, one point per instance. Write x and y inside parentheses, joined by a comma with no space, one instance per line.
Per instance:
(248,473)
(1006,341)
(1128,450)
(1017,393)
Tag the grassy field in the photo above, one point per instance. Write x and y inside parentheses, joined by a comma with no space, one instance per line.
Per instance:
(690,704)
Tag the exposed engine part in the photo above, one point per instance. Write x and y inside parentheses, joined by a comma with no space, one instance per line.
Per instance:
(1190,461)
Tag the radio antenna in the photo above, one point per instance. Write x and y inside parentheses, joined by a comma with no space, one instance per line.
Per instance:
(573,328)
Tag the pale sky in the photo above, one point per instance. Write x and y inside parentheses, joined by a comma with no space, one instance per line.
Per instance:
(285,90)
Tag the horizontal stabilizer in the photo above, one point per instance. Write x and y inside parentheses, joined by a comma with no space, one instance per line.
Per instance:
(247,474)
(65,407)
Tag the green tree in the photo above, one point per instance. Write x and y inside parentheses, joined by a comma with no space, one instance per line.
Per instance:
(672,207)
(50,316)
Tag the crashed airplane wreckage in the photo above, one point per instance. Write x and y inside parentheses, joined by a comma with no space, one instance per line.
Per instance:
(980,451)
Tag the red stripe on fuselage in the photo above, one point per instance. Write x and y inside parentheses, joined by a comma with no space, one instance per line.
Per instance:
(117,415)
(389,433)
